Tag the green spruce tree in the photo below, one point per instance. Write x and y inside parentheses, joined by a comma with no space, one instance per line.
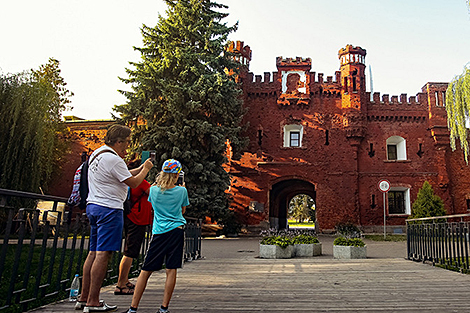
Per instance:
(427,204)
(183,104)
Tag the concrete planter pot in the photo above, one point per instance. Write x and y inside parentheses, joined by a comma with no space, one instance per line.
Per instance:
(349,252)
(307,250)
(275,252)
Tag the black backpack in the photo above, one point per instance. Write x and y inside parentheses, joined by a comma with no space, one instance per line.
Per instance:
(80,183)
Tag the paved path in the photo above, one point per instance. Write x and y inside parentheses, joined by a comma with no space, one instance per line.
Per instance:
(231,278)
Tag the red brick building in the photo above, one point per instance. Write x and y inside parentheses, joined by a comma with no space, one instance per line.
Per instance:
(329,139)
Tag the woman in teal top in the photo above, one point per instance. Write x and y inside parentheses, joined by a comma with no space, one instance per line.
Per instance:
(169,203)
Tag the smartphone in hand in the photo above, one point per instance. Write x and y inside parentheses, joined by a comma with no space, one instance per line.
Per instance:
(180,180)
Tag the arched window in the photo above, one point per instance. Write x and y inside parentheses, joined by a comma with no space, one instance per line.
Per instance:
(293,135)
(396,148)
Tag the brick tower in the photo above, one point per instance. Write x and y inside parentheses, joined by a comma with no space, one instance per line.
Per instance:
(353,92)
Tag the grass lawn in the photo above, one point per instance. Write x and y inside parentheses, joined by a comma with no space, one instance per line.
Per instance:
(295,224)
(394,238)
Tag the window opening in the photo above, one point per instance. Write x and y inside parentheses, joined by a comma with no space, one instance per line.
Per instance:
(354,84)
(294,140)
(437,98)
(396,202)
(372,202)
(392,152)
(396,148)
(345,84)
(371,150)
(327,141)
(260,137)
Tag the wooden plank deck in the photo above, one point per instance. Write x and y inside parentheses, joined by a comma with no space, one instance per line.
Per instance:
(232,279)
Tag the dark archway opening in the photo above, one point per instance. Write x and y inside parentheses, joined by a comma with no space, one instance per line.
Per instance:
(280,195)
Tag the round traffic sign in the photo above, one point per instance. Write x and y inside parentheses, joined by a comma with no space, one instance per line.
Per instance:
(384,185)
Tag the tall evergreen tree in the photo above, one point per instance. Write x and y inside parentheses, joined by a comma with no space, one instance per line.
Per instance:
(191,108)
(31,104)
(427,204)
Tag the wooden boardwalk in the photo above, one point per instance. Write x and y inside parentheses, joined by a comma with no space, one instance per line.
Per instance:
(232,279)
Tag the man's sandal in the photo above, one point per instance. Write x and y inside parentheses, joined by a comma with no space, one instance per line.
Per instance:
(124,291)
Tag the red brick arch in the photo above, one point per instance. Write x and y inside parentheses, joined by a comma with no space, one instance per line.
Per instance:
(280,195)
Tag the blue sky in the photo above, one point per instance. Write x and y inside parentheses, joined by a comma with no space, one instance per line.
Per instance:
(408,42)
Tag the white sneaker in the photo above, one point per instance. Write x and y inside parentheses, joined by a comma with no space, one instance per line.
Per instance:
(80,305)
(102,308)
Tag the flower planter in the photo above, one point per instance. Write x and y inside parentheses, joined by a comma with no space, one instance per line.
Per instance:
(307,250)
(349,252)
(275,252)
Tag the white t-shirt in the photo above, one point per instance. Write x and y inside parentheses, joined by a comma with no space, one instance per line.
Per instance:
(105,179)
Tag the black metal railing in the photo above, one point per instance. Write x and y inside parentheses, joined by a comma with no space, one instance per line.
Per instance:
(442,240)
(45,244)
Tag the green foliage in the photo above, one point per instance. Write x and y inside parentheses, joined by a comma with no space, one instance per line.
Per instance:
(305,239)
(388,237)
(348,230)
(71,258)
(231,224)
(342,241)
(281,241)
(302,208)
(31,104)
(458,108)
(427,204)
(283,238)
(190,107)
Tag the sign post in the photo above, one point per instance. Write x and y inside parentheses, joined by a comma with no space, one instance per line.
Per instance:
(384,187)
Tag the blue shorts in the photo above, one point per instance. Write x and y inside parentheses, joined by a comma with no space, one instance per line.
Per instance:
(105,227)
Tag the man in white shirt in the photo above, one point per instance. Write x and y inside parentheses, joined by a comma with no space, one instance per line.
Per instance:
(108,178)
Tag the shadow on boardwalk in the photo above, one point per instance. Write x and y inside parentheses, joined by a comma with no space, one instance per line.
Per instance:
(231,278)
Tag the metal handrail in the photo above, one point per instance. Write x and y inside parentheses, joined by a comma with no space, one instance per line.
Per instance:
(438,217)
(444,243)
(30,195)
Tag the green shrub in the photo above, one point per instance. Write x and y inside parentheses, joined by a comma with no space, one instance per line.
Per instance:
(355,242)
(305,239)
(281,241)
(348,230)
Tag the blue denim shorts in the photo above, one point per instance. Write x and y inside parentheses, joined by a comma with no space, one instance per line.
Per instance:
(105,227)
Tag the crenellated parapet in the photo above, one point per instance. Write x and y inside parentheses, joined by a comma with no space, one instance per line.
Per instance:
(402,101)
(242,52)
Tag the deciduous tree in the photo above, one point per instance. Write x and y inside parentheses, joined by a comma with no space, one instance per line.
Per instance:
(458,108)
(31,104)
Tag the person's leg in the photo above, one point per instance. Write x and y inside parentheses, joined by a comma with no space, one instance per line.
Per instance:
(135,235)
(174,260)
(140,287)
(86,276)
(169,286)
(91,214)
(124,268)
(97,273)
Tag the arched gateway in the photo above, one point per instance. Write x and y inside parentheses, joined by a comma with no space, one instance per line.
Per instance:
(280,195)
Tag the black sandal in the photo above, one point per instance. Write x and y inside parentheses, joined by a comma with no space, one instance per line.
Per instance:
(129,291)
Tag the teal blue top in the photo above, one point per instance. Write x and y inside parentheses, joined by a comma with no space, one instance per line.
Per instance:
(167,208)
